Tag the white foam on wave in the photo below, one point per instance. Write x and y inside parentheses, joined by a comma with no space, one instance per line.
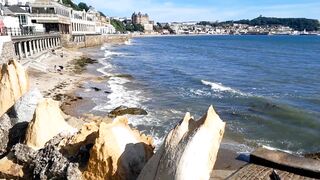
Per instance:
(121,95)
(109,54)
(106,68)
(128,42)
(276,149)
(218,87)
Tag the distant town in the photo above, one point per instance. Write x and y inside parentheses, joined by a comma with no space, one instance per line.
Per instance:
(258,26)
(20,17)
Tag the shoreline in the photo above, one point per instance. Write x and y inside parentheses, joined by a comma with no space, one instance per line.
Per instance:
(66,87)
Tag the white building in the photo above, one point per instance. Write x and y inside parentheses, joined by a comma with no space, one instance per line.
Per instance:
(17,19)
(18,2)
(82,22)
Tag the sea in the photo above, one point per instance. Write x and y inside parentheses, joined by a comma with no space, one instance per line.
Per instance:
(266,88)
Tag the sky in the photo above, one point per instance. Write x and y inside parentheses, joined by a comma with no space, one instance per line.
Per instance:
(208,10)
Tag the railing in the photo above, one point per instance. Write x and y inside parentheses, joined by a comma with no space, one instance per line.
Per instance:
(16,32)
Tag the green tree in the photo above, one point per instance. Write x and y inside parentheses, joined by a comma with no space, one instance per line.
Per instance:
(138,27)
(298,24)
(71,4)
(83,6)
(118,25)
(101,14)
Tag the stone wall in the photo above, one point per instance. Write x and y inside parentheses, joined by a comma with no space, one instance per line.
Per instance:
(71,41)
(7,52)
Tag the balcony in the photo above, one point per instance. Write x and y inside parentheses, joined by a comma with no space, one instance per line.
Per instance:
(50,18)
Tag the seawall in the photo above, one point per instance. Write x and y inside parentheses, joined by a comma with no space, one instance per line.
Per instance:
(82,41)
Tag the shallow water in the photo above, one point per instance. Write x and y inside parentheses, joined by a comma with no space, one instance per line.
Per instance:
(267,88)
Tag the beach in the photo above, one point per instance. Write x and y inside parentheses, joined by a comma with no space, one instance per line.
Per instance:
(72,90)
(111,79)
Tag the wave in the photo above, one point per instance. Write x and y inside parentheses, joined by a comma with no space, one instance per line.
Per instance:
(218,87)
(110,54)
(128,42)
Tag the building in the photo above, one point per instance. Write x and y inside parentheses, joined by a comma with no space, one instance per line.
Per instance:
(102,23)
(18,21)
(18,2)
(53,15)
(82,22)
(140,18)
(143,19)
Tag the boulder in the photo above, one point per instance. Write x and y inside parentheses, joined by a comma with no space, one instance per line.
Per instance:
(118,152)
(47,122)
(13,84)
(78,146)
(122,110)
(24,108)
(9,169)
(5,125)
(50,163)
(46,163)
(189,150)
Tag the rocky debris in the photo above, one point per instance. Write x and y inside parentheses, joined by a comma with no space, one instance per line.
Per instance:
(189,150)
(9,169)
(118,152)
(5,125)
(23,154)
(13,84)
(122,110)
(46,123)
(46,163)
(24,108)
(50,163)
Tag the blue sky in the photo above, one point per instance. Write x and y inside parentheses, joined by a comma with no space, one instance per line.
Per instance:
(211,10)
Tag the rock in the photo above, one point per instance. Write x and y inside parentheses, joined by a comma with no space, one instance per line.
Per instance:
(9,169)
(24,108)
(5,125)
(79,145)
(96,89)
(46,163)
(46,123)
(122,110)
(17,134)
(23,153)
(50,163)
(118,152)
(127,76)
(13,84)
(189,150)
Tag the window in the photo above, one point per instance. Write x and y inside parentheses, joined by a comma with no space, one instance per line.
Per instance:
(22,19)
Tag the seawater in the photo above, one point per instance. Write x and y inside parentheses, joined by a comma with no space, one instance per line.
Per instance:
(267,88)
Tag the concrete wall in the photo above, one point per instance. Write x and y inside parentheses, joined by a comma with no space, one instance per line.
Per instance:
(6,49)
(81,41)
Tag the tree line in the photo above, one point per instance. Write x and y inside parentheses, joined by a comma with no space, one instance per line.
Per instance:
(79,7)
(299,24)
(126,26)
